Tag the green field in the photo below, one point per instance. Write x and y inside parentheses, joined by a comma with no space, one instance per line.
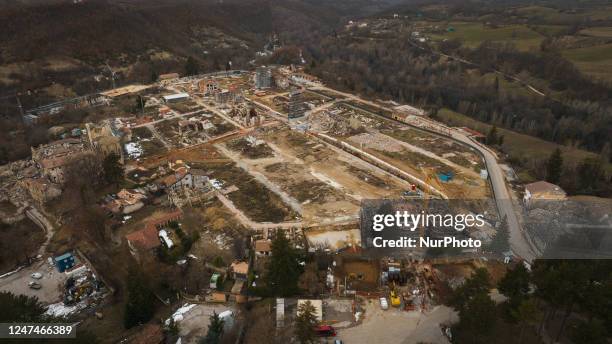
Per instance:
(472,34)
(550,15)
(550,30)
(595,61)
(602,32)
(538,12)
(515,143)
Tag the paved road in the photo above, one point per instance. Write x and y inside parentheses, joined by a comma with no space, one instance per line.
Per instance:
(518,242)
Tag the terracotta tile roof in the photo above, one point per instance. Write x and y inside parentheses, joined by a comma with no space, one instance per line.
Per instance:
(473,132)
(145,239)
(240,267)
(162,220)
(263,245)
(174,177)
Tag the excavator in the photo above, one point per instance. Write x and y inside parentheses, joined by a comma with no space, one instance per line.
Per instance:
(394,297)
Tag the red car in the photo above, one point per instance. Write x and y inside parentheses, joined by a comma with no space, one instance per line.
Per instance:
(325,331)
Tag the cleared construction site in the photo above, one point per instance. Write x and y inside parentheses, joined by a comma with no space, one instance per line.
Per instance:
(291,156)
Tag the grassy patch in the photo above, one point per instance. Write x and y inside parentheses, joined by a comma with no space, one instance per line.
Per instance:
(596,53)
(142,133)
(517,144)
(605,32)
(595,61)
(473,33)
(549,30)
(252,197)
(152,147)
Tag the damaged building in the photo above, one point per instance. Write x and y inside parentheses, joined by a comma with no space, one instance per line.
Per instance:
(104,139)
(53,159)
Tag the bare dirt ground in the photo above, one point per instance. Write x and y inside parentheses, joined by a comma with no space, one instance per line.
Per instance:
(333,239)
(327,182)
(408,149)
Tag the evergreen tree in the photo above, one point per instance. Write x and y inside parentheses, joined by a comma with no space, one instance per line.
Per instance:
(478,283)
(477,320)
(590,332)
(215,330)
(492,138)
(284,268)
(140,305)
(305,323)
(515,285)
(139,103)
(528,314)
(554,167)
(192,67)
(20,308)
(606,153)
(113,172)
(590,172)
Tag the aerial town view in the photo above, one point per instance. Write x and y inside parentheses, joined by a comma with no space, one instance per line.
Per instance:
(306,171)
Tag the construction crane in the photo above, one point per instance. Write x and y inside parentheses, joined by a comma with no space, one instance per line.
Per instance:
(112,74)
(16,96)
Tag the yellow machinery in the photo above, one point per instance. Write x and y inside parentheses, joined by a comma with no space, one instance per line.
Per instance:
(395,299)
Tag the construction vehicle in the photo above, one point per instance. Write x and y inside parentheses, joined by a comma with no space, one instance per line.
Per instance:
(394,297)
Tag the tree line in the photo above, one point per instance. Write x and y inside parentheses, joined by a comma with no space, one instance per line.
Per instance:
(573,295)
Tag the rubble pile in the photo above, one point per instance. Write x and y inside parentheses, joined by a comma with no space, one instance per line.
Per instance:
(376,141)
(327,122)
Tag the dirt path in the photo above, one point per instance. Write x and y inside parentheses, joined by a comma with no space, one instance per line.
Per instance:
(292,202)
(429,154)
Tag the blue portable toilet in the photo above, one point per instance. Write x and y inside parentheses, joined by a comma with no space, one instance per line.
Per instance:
(64,262)
(445,176)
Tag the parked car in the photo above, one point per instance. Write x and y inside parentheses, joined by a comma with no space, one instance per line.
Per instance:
(325,331)
(337,341)
(34,285)
(383,303)
(36,275)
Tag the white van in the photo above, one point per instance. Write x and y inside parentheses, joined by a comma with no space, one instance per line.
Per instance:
(384,304)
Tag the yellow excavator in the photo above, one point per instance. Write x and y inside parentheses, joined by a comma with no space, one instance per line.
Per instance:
(395,299)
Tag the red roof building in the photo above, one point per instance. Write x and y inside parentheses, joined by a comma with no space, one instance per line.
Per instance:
(143,240)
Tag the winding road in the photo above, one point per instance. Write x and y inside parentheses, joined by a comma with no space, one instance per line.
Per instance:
(519,243)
